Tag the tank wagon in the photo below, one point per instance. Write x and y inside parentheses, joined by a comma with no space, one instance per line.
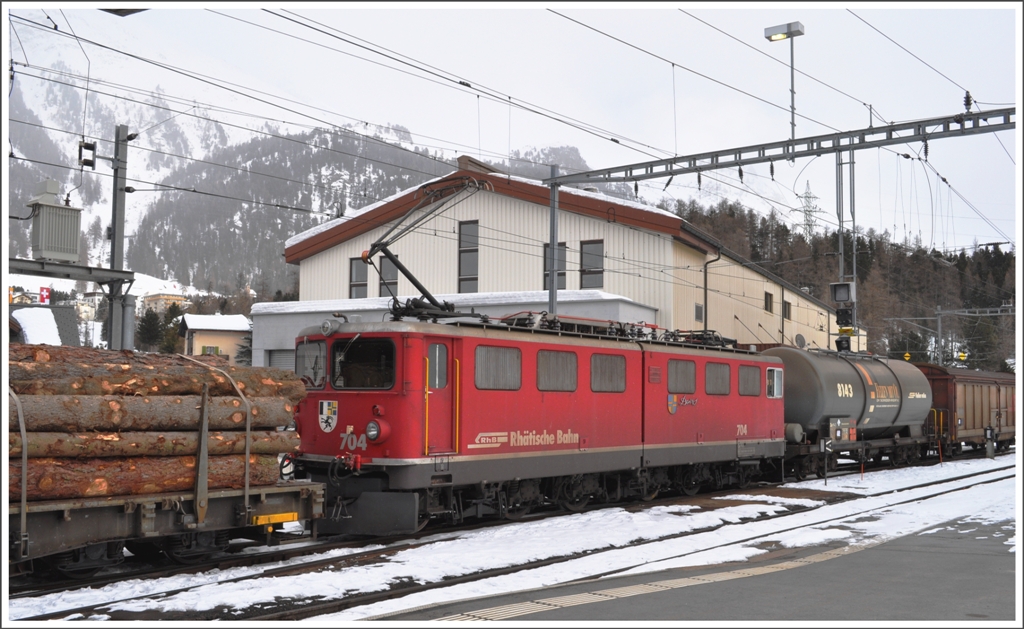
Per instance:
(967,402)
(861,406)
(408,421)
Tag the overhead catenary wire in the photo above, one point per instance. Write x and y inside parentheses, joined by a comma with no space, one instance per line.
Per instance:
(767,200)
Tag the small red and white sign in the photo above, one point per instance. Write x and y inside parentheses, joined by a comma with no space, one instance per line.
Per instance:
(44,295)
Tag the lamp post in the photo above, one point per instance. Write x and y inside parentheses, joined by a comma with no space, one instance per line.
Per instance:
(778,33)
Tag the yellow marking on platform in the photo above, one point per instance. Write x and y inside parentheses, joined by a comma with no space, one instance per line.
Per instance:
(522,609)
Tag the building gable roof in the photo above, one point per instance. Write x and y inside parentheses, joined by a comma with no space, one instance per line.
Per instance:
(332,233)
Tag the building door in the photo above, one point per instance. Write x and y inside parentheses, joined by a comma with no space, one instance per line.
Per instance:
(440,397)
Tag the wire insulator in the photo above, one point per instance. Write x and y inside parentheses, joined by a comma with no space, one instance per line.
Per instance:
(741,174)
(968,101)
(771,169)
(926,148)
(698,181)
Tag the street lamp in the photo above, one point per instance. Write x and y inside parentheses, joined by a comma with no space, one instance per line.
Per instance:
(778,33)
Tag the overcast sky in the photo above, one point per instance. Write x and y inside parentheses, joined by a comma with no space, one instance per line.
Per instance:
(664,79)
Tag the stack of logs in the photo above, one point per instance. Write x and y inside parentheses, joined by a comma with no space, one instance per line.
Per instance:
(112,423)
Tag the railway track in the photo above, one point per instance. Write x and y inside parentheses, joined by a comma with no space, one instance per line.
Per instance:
(305,608)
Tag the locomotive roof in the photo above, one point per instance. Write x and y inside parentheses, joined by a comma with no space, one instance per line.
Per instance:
(541,335)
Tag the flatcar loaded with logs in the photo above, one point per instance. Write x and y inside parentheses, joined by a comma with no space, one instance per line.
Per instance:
(156,453)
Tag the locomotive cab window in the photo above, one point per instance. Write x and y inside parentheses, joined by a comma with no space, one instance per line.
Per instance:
(363,364)
(556,371)
(607,373)
(682,376)
(311,364)
(716,379)
(498,368)
(750,380)
(774,383)
(437,374)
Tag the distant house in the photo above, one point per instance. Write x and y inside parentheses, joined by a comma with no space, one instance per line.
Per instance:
(23,298)
(218,335)
(160,302)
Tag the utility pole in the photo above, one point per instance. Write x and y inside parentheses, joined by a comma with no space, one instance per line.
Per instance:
(121,320)
(553,249)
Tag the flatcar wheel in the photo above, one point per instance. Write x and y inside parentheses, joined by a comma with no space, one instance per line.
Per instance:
(83,573)
(146,551)
(188,559)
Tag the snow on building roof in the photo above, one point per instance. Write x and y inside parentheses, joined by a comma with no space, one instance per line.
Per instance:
(458,299)
(38,327)
(564,190)
(218,322)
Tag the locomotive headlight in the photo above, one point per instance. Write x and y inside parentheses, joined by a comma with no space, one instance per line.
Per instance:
(377,430)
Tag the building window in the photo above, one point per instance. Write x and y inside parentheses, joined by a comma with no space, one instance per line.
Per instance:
(716,379)
(559,265)
(498,368)
(750,380)
(592,264)
(388,278)
(556,371)
(787,310)
(698,313)
(607,373)
(768,297)
(468,256)
(210,349)
(357,278)
(682,376)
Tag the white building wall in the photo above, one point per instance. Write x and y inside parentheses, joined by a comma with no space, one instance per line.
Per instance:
(648,267)
(512,235)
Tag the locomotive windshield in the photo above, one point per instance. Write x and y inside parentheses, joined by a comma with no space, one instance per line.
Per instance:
(363,364)
(311,364)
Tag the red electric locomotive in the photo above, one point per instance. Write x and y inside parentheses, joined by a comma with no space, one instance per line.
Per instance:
(408,421)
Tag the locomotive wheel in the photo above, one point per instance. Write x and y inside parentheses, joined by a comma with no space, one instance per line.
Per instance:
(422,522)
(517,513)
(744,481)
(651,495)
(691,484)
(819,467)
(800,469)
(575,505)
(187,559)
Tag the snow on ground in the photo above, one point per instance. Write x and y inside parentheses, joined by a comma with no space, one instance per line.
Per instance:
(897,512)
